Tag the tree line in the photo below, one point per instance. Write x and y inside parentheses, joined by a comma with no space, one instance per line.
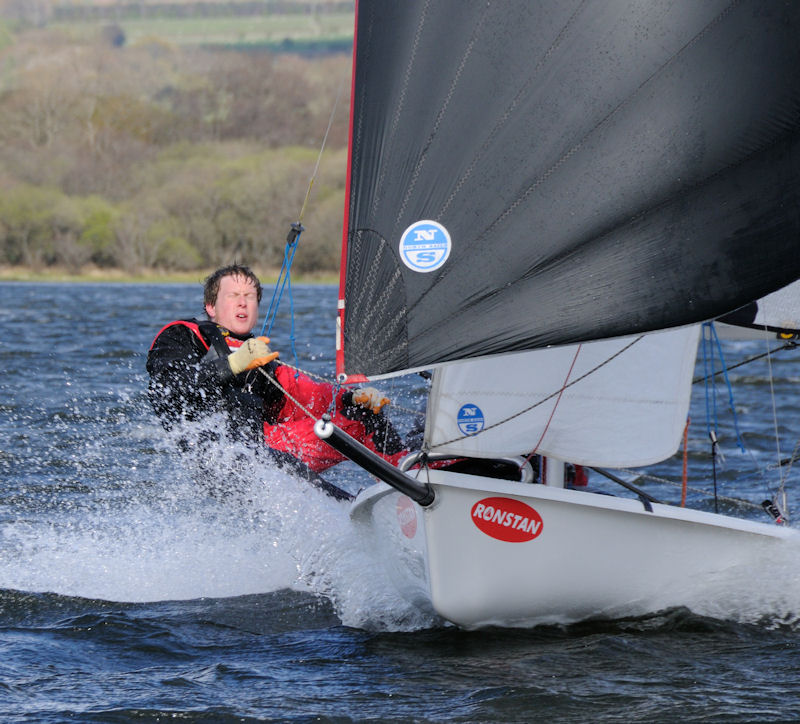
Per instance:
(153,156)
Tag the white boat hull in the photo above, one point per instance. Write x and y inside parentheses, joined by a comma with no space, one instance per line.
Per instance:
(578,554)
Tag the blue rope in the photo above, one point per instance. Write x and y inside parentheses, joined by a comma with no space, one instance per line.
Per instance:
(284,282)
(712,340)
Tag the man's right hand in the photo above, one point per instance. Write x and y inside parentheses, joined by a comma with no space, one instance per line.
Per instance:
(255,352)
(370,398)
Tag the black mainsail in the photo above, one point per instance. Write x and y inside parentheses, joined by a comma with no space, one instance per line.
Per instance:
(526,174)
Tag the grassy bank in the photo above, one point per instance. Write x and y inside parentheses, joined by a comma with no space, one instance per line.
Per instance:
(153,276)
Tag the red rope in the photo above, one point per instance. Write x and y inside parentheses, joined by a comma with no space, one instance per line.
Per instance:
(558,399)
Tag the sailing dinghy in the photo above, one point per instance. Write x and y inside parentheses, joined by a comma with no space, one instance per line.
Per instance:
(544,200)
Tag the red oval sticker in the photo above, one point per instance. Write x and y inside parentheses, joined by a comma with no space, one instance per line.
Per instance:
(507,519)
(406,516)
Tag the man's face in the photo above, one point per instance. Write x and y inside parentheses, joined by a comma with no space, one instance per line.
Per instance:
(236,307)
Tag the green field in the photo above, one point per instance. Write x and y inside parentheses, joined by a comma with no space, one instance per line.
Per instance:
(276,31)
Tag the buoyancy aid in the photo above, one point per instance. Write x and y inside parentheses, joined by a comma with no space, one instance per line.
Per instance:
(210,334)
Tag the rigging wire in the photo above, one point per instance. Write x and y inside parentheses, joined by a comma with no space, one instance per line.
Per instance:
(711,404)
(789,345)
(271,379)
(639,475)
(717,347)
(712,348)
(284,280)
(779,499)
(776,505)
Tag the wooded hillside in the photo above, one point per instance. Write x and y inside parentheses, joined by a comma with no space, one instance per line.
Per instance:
(151,154)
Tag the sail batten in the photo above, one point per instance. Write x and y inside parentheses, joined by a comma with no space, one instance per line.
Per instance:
(601,169)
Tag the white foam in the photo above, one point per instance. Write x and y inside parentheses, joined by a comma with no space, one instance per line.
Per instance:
(172,541)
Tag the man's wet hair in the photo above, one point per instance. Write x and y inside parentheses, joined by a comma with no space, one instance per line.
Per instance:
(212,281)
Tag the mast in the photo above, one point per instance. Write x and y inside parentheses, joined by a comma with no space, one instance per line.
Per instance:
(340,316)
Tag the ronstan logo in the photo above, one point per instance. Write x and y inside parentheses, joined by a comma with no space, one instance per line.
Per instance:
(507,519)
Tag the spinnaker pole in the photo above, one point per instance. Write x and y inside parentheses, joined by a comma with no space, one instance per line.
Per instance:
(325,430)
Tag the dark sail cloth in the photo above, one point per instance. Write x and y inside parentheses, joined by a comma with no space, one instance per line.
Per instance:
(191,380)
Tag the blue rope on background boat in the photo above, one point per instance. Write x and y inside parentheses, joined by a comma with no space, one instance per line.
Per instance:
(710,345)
(284,282)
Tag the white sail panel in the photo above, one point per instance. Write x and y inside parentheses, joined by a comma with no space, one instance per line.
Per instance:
(627,404)
(776,315)
(780,310)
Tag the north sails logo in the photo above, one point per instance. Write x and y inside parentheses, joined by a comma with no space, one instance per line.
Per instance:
(507,519)
(425,246)
(470,419)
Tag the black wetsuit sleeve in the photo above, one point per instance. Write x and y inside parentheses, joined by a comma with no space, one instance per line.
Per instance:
(187,383)
(184,385)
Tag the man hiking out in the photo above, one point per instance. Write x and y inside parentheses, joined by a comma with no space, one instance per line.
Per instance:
(215,369)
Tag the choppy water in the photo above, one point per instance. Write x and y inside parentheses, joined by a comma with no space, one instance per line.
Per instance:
(125,595)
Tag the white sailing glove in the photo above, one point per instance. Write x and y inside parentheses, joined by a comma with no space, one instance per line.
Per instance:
(370,398)
(255,352)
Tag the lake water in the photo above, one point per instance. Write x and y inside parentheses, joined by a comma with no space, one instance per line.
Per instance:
(128,595)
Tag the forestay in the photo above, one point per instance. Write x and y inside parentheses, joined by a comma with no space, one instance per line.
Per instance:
(529,174)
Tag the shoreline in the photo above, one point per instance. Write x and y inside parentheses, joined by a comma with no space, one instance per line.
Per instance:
(151,276)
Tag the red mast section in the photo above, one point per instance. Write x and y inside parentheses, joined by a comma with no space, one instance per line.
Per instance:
(341,375)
